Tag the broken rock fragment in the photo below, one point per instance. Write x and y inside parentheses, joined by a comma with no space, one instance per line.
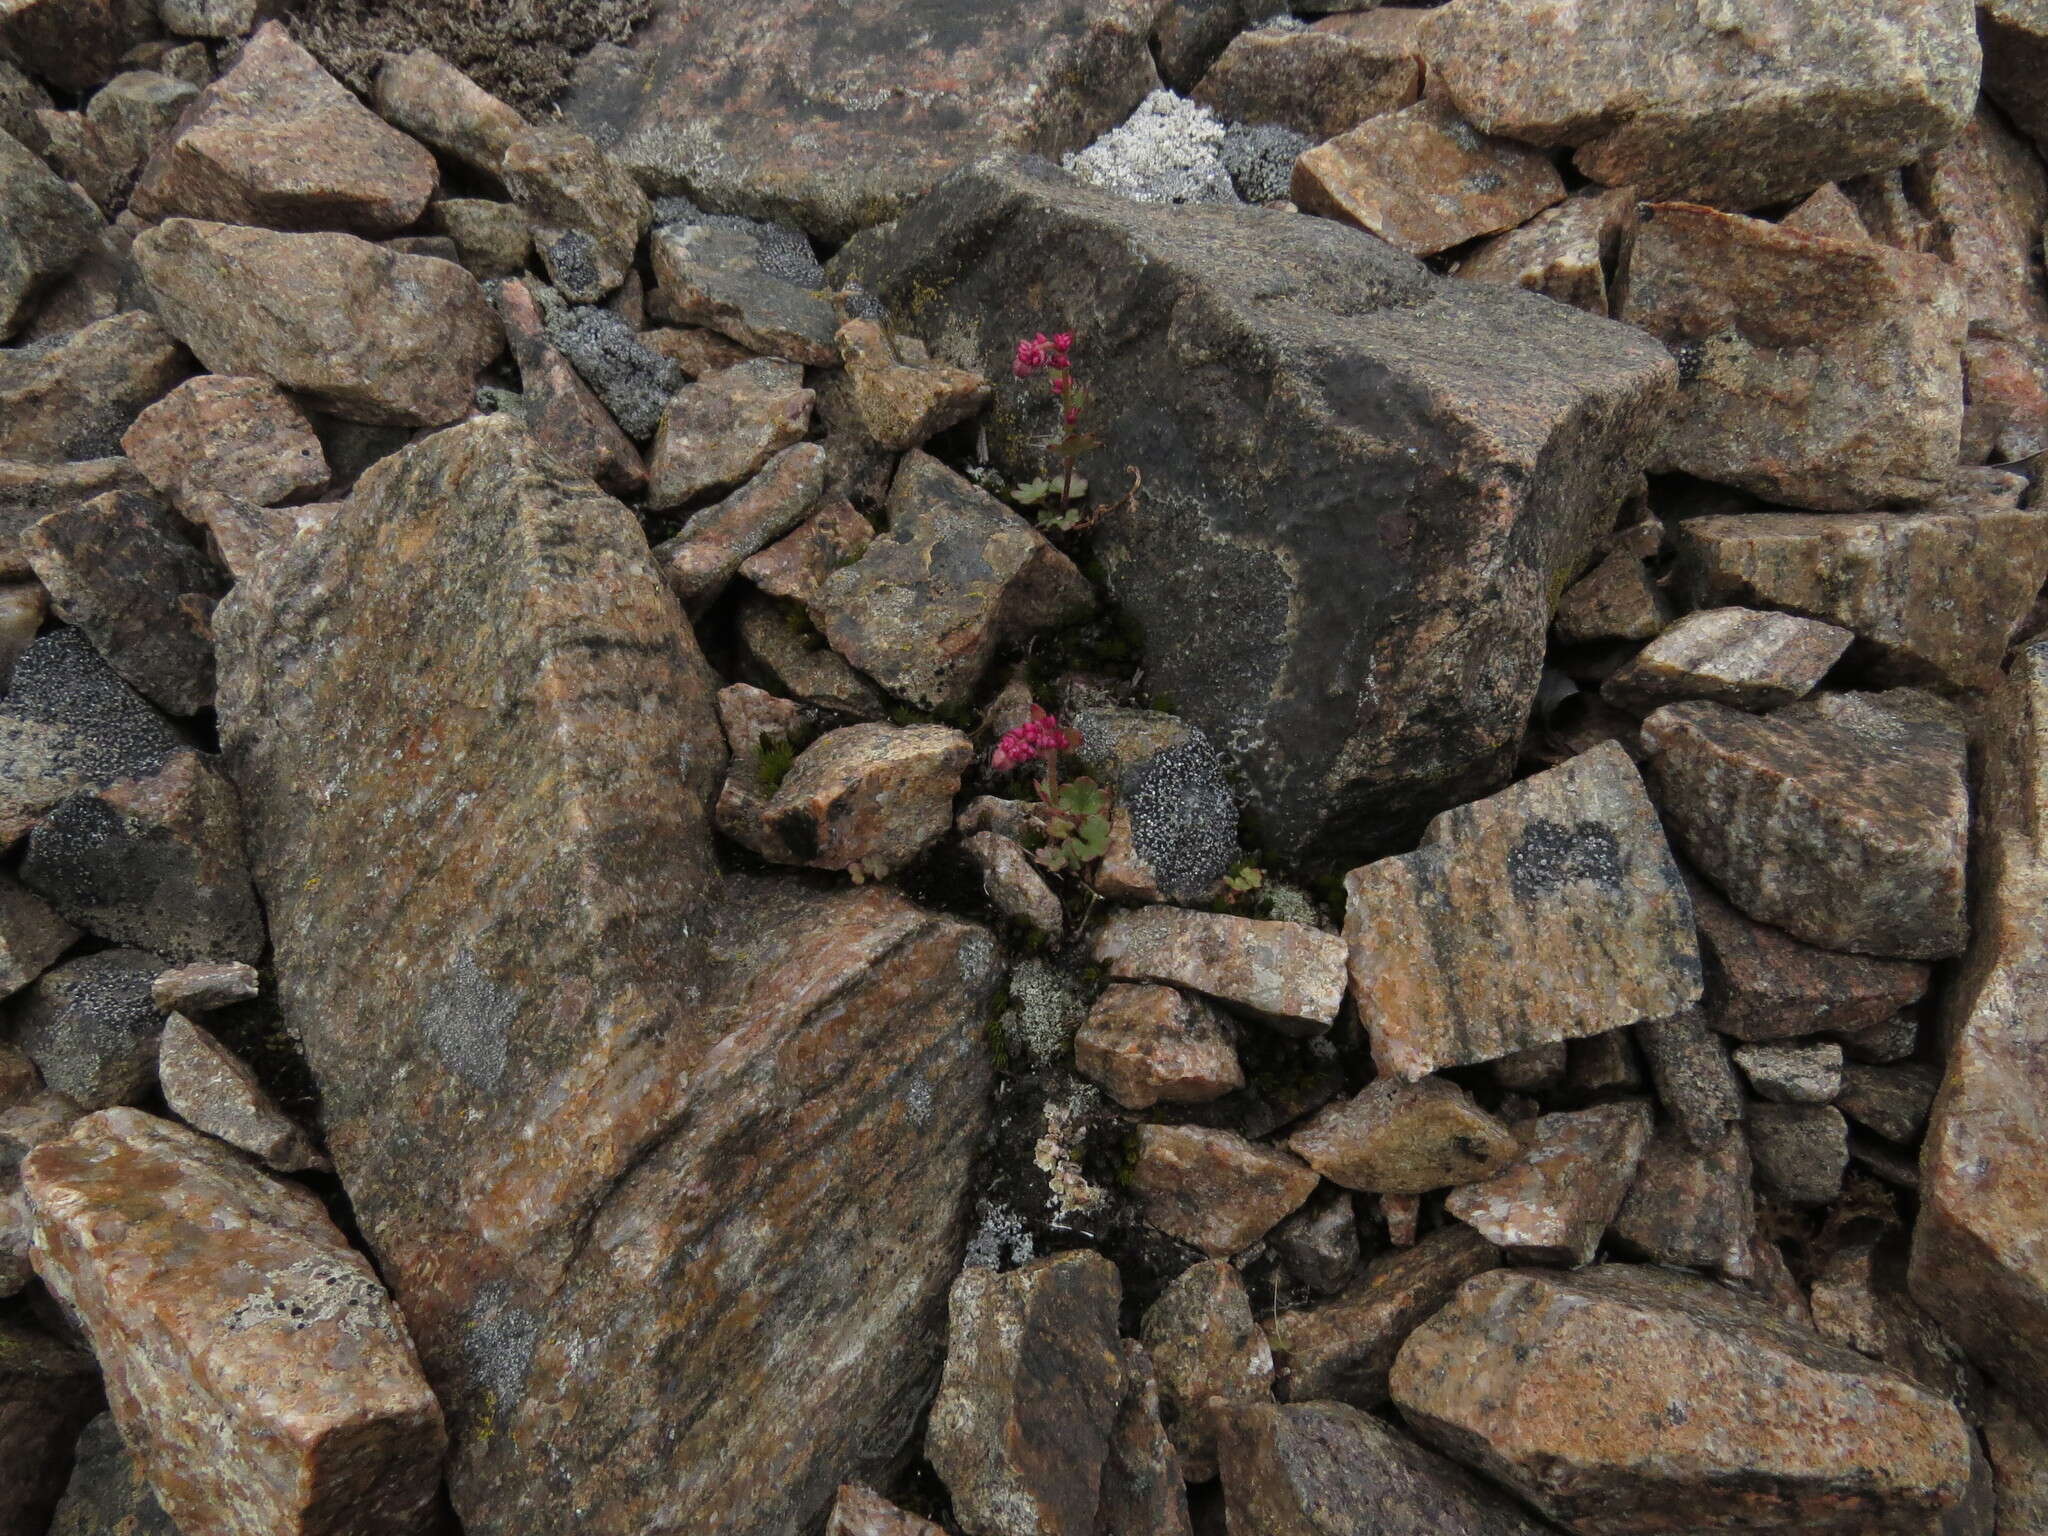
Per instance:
(714,543)
(1735,656)
(1553,1204)
(865,797)
(1317,83)
(1208,1352)
(558,408)
(73,395)
(439,105)
(1012,883)
(1616,600)
(1564,253)
(1287,975)
(1793,1073)
(1891,1100)
(91,1029)
(108,1491)
(1399,1138)
(49,227)
(1690,1205)
(31,936)
(1172,816)
(232,436)
(1149,1045)
(1142,1488)
(860,1511)
(796,565)
(722,430)
(1800,1151)
(716,277)
(48,1389)
(212,1090)
(204,986)
(31,492)
(1695,1083)
(903,403)
(586,213)
(1214,1190)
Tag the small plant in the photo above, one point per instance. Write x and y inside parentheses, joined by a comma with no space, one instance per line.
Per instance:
(1243,880)
(1043,354)
(1076,811)
(773,759)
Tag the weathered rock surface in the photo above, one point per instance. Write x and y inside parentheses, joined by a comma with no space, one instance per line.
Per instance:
(1142,1488)
(721,430)
(782,651)
(74,44)
(491,238)
(1735,656)
(796,565)
(638,1132)
(212,1090)
(1214,1190)
(1695,1082)
(714,543)
(1841,819)
(231,436)
(204,986)
(278,141)
(1287,975)
(71,396)
(1319,1243)
(1550,911)
(860,1511)
(1209,1353)
(439,105)
(715,277)
(1149,1045)
(1552,1205)
(31,936)
(1399,1138)
(1820,373)
(108,1494)
(1733,110)
(49,227)
(902,403)
(365,332)
(1760,1424)
(866,797)
(91,1029)
(1034,1377)
(1690,1205)
(1013,884)
(1316,83)
(1172,815)
(1616,600)
(2015,38)
(559,409)
(1808,1072)
(585,212)
(1893,1101)
(250,1354)
(1565,252)
(47,1390)
(31,492)
(1801,1151)
(1254,610)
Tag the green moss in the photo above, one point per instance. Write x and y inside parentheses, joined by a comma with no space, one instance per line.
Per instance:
(772,764)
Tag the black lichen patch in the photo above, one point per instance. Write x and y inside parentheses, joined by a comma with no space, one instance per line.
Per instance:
(1550,854)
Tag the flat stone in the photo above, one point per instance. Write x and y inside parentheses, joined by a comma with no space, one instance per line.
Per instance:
(251,1355)
(1737,112)
(48,1390)
(1893,1101)
(1173,816)
(491,238)
(1423,179)
(1209,1354)
(1284,974)
(1555,1202)
(1399,1138)
(724,429)
(1736,656)
(212,1090)
(204,986)
(278,141)
(715,277)
(1801,1151)
(1817,373)
(367,333)
(1931,596)
(582,1072)
(716,542)
(91,1029)
(1319,1469)
(108,1493)
(1550,911)
(1860,1300)
(1808,1072)
(31,492)
(1342,1348)
(121,570)
(902,404)
(1213,1189)
(1142,1491)
(1149,1045)
(956,574)
(833,118)
(586,213)
(231,436)
(1696,1085)
(866,797)
(860,1511)
(1318,83)
(632,379)
(49,227)
(780,649)
(219,19)
(559,409)
(442,107)
(796,565)
(1893,1040)
(73,395)
(1690,1205)
(1564,253)
(1762,1424)
(1015,888)
(1034,1377)
(1254,621)
(1319,1243)
(1841,819)
(32,935)
(135,114)
(693,349)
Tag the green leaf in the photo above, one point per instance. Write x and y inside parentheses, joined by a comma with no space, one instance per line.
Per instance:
(1032,492)
(1093,841)
(1081,797)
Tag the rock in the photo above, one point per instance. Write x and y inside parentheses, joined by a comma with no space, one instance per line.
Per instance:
(32,936)
(1893,1101)
(632,380)
(1319,1243)
(45,1115)
(1209,1354)
(19,1080)
(1015,888)
(152,862)
(369,334)
(714,543)
(1763,984)
(1737,112)
(210,1089)
(586,214)
(1735,656)
(1170,150)
(899,404)
(69,723)
(956,574)
(1860,1300)
(49,227)
(442,107)
(1283,974)
(278,141)
(91,1029)
(31,492)
(859,1511)
(1424,180)
(73,44)
(1793,1073)
(134,115)
(714,277)
(1839,819)
(1801,1151)
(1552,1205)
(1034,1376)
(601,1063)
(251,1354)
(108,1492)
(1213,1189)
(120,570)
(1690,1205)
(1141,1480)
(219,19)
(1741,1397)
(780,649)
(2019,1457)
(1893,1040)
(833,119)
(751,718)
(559,408)
(1321,1469)
(23,608)
(231,436)
(1401,1138)
(20,100)
(1289,615)
(1343,1348)
(694,350)
(1564,253)
(1932,596)
(721,431)
(795,566)
(1148,1045)
(1551,911)
(203,987)
(1317,83)
(1819,373)
(72,396)
(47,1391)
(1173,818)
(2015,38)
(1695,1083)
(491,239)
(865,797)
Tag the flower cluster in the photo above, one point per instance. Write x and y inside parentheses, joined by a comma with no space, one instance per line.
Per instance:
(1037,353)
(1054,354)
(1041,738)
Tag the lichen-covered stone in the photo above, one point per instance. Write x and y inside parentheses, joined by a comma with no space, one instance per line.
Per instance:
(1317,83)
(1213,1189)
(231,436)
(1553,1204)
(1288,975)
(1173,818)
(1208,1351)
(1149,1045)
(1565,252)
(1695,1083)
(586,213)
(558,408)
(715,277)
(901,403)
(71,396)
(91,1029)
(1399,1138)
(1736,656)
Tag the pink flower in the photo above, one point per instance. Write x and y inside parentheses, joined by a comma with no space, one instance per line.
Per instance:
(1031,356)
(1059,385)
(1072,417)
(1042,736)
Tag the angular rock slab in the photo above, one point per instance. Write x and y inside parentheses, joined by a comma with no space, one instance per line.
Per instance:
(48,228)
(1735,108)
(1551,911)
(1288,975)
(73,395)
(631,1152)
(1552,1206)
(1365,647)
(833,117)
(1399,1138)
(1980,1264)
(235,436)
(1626,1400)
(1736,656)
(251,1355)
